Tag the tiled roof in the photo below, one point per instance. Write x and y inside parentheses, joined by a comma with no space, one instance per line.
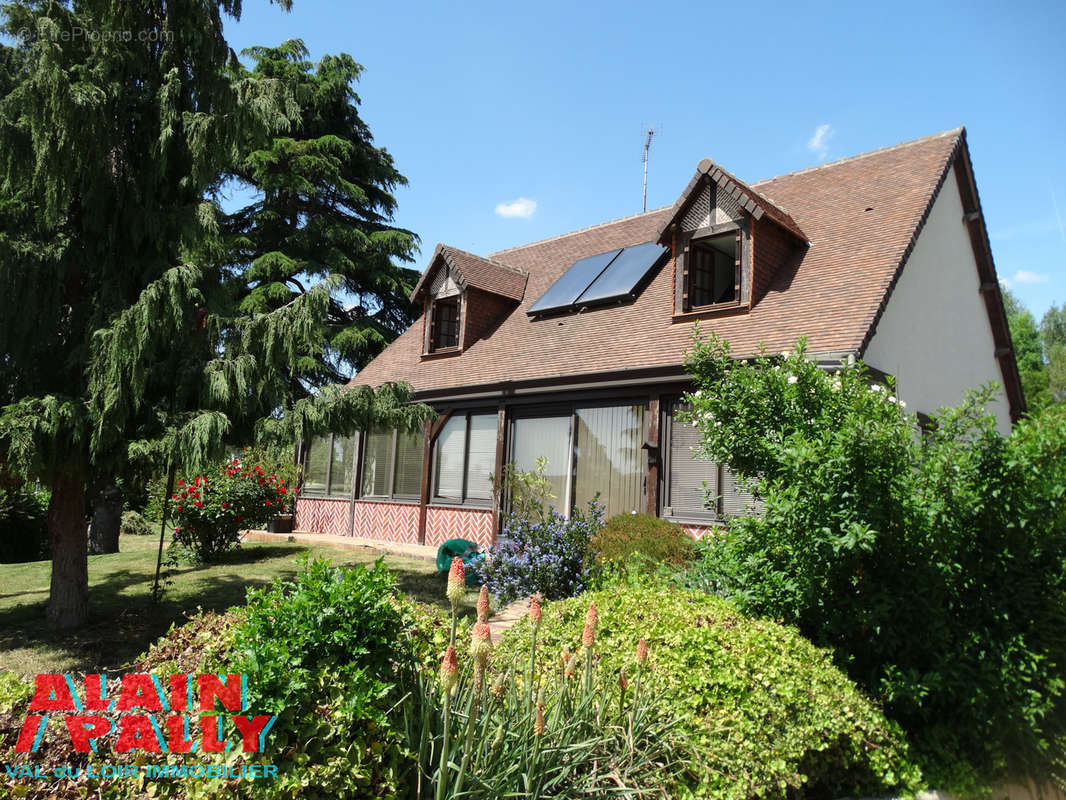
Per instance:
(861,216)
(478,272)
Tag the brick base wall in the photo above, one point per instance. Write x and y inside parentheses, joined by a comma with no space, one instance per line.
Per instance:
(389,522)
(393,522)
(696,531)
(322,515)
(459,523)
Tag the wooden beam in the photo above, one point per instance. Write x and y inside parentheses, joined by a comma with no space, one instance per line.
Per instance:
(654,455)
(432,430)
(501,456)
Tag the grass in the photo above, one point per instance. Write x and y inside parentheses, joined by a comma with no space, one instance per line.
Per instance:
(123,620)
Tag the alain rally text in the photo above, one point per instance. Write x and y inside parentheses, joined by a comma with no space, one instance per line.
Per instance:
(170,720)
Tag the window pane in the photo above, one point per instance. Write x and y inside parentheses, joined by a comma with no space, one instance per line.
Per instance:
(481,462)
(609,458)
(340,481)
(547,437)
(315,468)
(449,459)
(409,452)
(685,489)
(377,463)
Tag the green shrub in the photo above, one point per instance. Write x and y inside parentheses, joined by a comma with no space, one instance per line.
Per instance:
(23,529)
(133,524)
(657,540)
(768,715)
(932,563)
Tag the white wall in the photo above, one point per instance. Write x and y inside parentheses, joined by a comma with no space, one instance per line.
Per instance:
(934,336)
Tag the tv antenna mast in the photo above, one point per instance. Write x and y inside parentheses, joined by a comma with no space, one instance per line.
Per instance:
(647,147)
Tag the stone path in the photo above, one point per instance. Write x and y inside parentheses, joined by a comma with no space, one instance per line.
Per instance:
(505,618)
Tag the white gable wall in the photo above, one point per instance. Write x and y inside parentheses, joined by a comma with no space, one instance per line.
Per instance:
(934,335)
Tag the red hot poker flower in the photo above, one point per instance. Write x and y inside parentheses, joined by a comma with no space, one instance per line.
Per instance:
(456,582)
(449,669)
(483,604)
(642,651)
(534,612)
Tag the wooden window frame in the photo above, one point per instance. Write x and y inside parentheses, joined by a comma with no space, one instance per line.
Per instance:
(433,344)
(390,495)
(703,243)
(465,501)
(356,459)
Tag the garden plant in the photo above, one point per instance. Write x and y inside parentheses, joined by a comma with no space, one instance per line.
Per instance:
(929,559)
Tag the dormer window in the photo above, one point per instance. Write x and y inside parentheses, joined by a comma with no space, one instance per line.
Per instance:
(444,324)
(713,272)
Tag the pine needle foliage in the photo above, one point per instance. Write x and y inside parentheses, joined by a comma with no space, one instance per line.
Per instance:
(127,342)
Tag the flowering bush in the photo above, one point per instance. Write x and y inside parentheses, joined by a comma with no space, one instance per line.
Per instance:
(211,512)
(548,556)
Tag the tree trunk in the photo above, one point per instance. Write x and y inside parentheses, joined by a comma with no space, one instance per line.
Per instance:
(68,600)
(107,519)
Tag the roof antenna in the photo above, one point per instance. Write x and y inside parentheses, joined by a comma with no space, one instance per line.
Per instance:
(647,146)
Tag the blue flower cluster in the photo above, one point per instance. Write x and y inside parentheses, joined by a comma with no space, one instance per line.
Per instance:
(547,556)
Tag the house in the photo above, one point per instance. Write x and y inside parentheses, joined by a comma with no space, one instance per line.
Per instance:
(571,348)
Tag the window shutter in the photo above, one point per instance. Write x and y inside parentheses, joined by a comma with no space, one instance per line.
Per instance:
(688,475)
(481,459)
(737,501)
(450,447)
(409,451)
(377,463)
(340,481)
(317,464)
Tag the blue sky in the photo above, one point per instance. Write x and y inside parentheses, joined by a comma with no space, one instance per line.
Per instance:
(539,110)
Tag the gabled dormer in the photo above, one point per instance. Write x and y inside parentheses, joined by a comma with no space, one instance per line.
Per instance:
(728,242)
(464,297)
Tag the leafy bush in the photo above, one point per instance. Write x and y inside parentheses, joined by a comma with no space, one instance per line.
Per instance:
(23,525)
(212,513)
(548,556)
(766,713)
(133,524)
(658,540)
(527,492)
(931,563)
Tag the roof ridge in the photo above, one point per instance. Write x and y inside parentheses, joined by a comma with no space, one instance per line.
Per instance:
(952,132)
(580,230)
(486,259)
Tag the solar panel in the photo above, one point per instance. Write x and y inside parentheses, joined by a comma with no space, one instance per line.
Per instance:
(623,275)
(573,282)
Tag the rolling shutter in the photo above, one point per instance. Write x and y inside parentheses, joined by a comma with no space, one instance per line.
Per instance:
(689,478)
(737,501)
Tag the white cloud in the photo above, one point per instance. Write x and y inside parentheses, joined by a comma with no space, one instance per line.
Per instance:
(1025,276)
(522,208)
(819,141)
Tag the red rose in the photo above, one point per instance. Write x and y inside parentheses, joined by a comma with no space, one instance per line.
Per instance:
(198,504)
(235,462)
(173,497)
(269,503)
(283,490)
(238,518)
(225,505)
(177,530)
(179,508)
(181,482)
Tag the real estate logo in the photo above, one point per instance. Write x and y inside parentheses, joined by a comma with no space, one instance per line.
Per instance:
(175,714)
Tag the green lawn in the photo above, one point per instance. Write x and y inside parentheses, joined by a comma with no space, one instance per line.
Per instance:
(123,620)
